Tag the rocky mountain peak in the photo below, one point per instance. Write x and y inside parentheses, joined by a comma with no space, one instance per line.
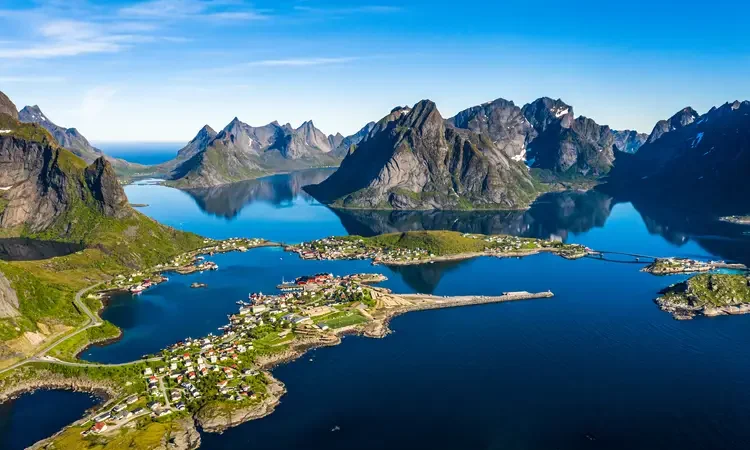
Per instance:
(102,181)
(629,141)
(7,106)
(424,112)
(412,160)
(681,119)
(543,112)
(206,131)
(502,121)
(32,114)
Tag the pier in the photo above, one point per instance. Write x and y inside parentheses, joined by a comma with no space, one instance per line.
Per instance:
(426,301)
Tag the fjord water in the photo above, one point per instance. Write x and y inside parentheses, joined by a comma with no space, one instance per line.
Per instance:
(147,153)
(35,416)
(597,366)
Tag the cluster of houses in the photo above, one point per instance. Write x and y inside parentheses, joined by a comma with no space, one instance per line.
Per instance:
(221,366)
(116,416)
(336,248)
(664,266)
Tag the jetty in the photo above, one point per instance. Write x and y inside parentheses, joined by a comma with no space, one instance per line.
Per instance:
(427,301)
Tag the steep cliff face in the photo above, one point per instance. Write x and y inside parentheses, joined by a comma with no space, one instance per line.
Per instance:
(566,145)
(45,187)
(681,119)
(545,112)
(411,160)
(196,145)
(546,135)
(629,141)
(8,299)
(500,120)
(8,107)
(73,140)
(703,160)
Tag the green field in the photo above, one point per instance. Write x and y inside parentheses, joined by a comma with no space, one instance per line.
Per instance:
(342,319)
(435,242)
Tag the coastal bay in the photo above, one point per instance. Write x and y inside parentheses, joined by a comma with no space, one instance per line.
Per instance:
(582,297)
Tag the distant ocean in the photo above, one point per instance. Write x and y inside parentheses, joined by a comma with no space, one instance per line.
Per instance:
(141,152)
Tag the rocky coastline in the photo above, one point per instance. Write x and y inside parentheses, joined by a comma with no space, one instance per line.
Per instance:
(98,343)
(11,389)
(681,311)
(217,420)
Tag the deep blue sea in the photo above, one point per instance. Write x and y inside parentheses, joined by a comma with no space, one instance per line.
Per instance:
(598,366)
(147,153)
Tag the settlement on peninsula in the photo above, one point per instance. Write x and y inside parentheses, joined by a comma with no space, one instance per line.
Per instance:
(420,247)
(223,379)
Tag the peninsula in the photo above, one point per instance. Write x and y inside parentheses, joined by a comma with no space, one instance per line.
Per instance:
(222,380)
(420,247)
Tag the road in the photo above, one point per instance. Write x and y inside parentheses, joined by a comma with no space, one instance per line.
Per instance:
(50,359)
(92,321)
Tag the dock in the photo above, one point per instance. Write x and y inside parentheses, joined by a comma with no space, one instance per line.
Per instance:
(425,301)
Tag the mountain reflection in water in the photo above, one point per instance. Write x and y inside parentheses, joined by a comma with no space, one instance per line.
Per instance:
(553,216)
(279,190)
(24,249)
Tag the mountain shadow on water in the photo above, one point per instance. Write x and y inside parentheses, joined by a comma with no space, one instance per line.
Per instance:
(424,278)
(680,226)
(552,215)
(24,249)
(229,200)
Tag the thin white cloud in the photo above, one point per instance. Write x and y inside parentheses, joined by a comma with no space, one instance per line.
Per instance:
(68,28)
(365,9)
(191,9)
(299,62)
(75,37)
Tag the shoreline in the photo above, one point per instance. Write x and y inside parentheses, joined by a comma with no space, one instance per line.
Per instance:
(221,420)
(102,391)
(472,255)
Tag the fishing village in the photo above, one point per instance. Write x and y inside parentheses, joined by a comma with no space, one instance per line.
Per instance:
(223,379)
(422,247)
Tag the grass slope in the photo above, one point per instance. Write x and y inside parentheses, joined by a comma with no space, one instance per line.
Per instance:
(708,289)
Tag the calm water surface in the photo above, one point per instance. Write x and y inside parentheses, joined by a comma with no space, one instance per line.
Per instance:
(598,366)
(35,416)
(147,153)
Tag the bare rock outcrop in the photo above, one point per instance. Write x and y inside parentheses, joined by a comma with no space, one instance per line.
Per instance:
(8,299)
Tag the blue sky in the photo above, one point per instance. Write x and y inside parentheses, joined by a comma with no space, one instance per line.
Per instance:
(159,70)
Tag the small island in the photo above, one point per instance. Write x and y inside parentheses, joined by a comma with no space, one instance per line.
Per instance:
(739,220)
(421,247)
(707,294)
(671,266)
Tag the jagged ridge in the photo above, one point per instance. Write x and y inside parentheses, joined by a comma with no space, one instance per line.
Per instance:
(411,160)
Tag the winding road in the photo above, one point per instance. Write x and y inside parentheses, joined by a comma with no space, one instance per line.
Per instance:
(92,321)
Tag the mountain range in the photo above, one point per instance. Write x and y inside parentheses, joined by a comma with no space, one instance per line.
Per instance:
(691,158)
(546,134)
(479,158)
(413,159)
(240,152)
(73,140)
